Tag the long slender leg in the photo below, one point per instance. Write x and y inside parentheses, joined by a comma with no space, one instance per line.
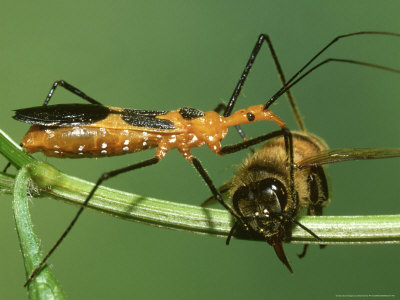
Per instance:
(102,178)
(70,88)
(231,232)
(222,190)
(243,145)
(336,39)
(246,71)
(211,186)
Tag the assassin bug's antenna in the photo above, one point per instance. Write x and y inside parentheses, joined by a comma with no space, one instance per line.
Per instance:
(291,82)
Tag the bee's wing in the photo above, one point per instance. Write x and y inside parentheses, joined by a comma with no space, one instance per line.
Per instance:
(345,154)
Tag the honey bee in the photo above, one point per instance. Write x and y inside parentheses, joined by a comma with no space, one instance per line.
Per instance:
(262,195)
(268,193)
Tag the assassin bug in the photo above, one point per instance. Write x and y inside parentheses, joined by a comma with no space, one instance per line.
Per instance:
(94,130)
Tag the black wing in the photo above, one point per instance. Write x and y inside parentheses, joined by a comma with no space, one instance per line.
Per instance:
(346,154)
(146,118)
(67,115)
(62,114)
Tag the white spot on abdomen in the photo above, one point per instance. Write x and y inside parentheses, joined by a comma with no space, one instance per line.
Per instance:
(172,139)
(76,131)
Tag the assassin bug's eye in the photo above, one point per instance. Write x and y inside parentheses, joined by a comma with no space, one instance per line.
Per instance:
(251,117)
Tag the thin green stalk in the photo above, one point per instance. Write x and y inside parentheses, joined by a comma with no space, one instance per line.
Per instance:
(333,230)
(45,286)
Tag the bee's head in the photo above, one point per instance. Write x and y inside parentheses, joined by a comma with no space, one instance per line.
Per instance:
(261,206)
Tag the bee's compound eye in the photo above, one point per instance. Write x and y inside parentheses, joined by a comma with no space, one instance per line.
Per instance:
(272,193)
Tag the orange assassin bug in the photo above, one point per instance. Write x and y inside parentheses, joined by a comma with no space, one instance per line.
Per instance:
(94,130)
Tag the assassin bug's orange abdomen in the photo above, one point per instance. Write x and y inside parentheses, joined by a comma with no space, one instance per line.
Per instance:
(87,130)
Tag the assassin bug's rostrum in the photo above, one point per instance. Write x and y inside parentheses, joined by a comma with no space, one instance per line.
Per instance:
(94,130)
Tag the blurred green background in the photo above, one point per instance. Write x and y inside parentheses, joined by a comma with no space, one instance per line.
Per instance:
(167,54)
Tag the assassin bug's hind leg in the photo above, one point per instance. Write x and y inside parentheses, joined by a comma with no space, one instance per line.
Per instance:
(70,88)
(102,178)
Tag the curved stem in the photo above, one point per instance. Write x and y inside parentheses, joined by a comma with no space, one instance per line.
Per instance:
(53,183)
(45,286)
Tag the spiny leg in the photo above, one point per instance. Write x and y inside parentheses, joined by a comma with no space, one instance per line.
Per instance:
(290,82)
(102,178)
(246,71)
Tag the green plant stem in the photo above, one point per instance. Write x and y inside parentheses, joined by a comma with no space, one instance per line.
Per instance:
(332,229)
(217,222)
(45,286)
